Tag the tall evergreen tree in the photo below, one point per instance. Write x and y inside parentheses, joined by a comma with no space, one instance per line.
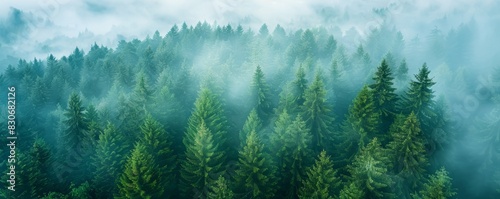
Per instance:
(299,86)
(255,172)
(140,179)
(159,144)
(352,191)
(252,123)
(419,99)
(260,95)
(220,190)
(108,161)
(384,97)
(316,113)
(321,181)
(408,152)
(370,171)
(74,149)
(208,109)
(297,145)
(363,117)
(203,163)
(439,186)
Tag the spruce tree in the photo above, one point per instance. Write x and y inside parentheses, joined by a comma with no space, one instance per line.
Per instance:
(208,109)
(299,86)
(297,145)
(159,144)
(408,152)
(321,181)
(370,171)
(352,191)
(75,152)
(220,190)
(252,123)
(260,95)
(363,117)
(108,161)
(203,163)
(317,114)
(255,172)
(439,186)
(278,148)
(140,179)
(419,99)
(384,97)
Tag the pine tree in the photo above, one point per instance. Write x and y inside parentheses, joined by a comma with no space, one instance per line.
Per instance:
(254,173)
(321,179)
(220,190)
(75,151)
(208,109)
(297,145)
(408,152)
(299,86)
(278,148)
(108,161)
(203,163)
(419,99)
(438,186)
(140,179)
(252,123)
(159,144)
(370,171)
(384,97)
(352,191)
(316,113)
(260,95)
(363,118)
(402,72)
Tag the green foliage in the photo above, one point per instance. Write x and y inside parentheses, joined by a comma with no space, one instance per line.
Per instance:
(158,143)
(203,162)
(140,179)
(82,191)
(108,161)
(299,86)
(321,179)
(316,113)
(384,97)
(260,95)
(220,190)
(252,123)
(352,191)
(408,152)
(369,171)
(439,186)
(255,172)
(363,117)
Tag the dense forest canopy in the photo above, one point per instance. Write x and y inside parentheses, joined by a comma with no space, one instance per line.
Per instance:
(229,111)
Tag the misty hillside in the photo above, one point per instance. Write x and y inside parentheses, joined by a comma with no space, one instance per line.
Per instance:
(227,111)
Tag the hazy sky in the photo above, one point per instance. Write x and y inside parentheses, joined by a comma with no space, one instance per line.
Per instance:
(34,27)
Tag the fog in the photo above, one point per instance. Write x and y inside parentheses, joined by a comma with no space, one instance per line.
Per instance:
(458,40)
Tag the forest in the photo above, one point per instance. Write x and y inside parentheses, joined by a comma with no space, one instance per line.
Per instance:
(225,111)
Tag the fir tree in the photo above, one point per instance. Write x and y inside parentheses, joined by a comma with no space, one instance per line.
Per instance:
(158,143)
(316,113)
(299,86)
(352,191)
(203,162)
(297,145)
(254,173)
(252,123)
(140,179)
(261,95)
(220,190)
(208,109)
(384,97)
(419,99)
(370,171)
(321,179)
(108,161)
(438,186)
(408,152)
(363,118)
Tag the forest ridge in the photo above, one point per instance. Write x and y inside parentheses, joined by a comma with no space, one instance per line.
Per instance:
(221,112)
